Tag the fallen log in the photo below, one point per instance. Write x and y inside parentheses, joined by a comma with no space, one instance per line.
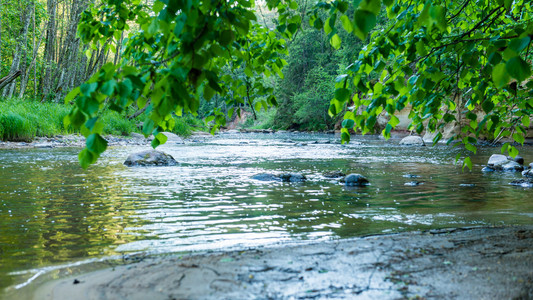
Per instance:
(9,78)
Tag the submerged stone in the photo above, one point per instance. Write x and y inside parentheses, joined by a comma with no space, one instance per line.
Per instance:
(292,177)
(355,180)
(528,182)
(528,173)
(150,158)
(413,183)
(512,166)
(266,177)
(488,169)
(411,176)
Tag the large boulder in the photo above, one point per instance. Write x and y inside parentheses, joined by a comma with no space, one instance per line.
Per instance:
(150,158)
(355,180)
(498,162)
(412,140)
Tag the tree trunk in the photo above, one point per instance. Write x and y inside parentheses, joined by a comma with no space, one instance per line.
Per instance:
(49,49)
(9,78)
(19,52)
(25,79)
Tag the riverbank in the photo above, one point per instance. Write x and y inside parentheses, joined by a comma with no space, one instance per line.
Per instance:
(468,263)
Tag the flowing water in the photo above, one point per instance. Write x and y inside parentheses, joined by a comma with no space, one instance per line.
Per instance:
(52,212)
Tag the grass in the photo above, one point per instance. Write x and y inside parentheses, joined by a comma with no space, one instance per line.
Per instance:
(23,120)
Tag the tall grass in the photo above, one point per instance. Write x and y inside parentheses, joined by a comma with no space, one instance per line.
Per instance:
(23,120)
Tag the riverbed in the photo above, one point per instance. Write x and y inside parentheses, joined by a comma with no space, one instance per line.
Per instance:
(54,214)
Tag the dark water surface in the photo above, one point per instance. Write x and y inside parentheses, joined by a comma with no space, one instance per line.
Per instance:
(52,212)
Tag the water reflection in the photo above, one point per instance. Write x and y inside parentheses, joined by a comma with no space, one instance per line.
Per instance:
(51,211)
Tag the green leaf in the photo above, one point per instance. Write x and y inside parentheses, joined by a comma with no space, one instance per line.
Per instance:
(500,77)
(345,137)
(335,41)
(513,152)
(364,23)
(467,163)
(88,88)
(348,123)
(518,68)
(346,23)
(394,121)
(519,138)
(525,121)
(108,87)
(342,94)
(87,158)
(519,44)
(293,5)
(70,96)
(373,6)
(96,144)
(226,37)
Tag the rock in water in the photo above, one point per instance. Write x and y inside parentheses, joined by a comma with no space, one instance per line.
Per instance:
(528,173)
(413,183)
(412,141)
(519,159)
(500,162)
(150,158)
(266,177)
(512,166)
(292,177)
(355,180)
(496,161)
(528,182)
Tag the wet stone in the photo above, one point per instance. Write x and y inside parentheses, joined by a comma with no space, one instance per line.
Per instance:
(412,141)
(528,183)
(292,177)
(528,173)
(355,180)
(150,158)
(266,177)
(413,183)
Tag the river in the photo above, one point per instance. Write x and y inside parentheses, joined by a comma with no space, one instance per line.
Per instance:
(53,213)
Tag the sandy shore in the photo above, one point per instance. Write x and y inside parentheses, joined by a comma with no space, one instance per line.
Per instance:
(474,263)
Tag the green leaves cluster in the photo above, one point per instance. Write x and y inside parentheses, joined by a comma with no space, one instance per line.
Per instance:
(467,63)
(179,53)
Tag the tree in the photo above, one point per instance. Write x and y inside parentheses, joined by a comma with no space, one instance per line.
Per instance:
(174,58)
(466,62)
(445,59)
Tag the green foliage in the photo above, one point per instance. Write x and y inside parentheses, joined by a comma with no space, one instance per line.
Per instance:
(23,120)
(446,61)
(177,58)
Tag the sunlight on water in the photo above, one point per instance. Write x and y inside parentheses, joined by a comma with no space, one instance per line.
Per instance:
(53,212)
